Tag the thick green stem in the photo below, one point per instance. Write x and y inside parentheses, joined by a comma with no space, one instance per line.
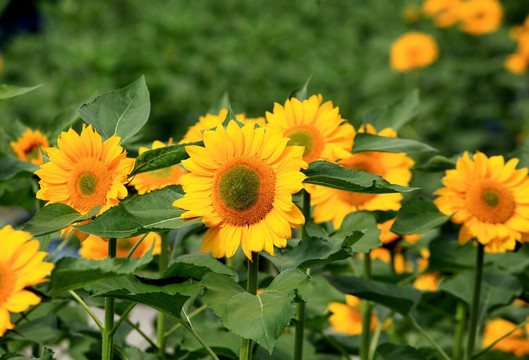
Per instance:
(306,212)
(460,330)
(107,334)
(474,310)
(160,325)
(366,313)
(251,287)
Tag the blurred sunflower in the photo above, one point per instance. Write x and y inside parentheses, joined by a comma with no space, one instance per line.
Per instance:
(20,266)
(428,281)
(347,318)
(211,121)
(516,343)
(490,198)
(27,146)
(241,182)
(444,12)
(479,17)
(156,179)
(388,237)
(95,247)
(413,50)
(319,127)
(332,204)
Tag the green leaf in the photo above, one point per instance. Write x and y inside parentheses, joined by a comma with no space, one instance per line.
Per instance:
(357,223)
(337,177)
(301,94)
(417,216)
(153,211)
(196,266)
(166,298)
(522,154)
(401,299)
(436,164)
(122,112)
(395,115)
(369,142)
(62,122)
(160,158)
(11,91)
(291,280)
(260,317)
(448,255)
(390,351)
(54,217)
(74,273)
(11,167)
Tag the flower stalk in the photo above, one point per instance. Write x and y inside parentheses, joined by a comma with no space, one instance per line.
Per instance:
(366,313)
(251,287)
(474,310)
(460,330)
(160,325)
(107,334)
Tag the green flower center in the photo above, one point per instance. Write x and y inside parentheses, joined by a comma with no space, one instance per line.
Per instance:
(239,187)
(161,173)
(302,138)
(33,153)
(87,184)
(491,198)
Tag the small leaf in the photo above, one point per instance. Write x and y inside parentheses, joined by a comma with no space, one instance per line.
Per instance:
(11,167)
(401,299)
(436,164)
(337,177)
(55,217)
(369,142)
(230,116)
(196,266)
(301,94)
(161,158)
(390,351)
(11,91)
(395,115)
(417,216)
(153,211)
(122,112)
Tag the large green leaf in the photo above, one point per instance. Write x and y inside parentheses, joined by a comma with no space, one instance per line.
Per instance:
(337,177)
(390,351)
(436,164)
(74,273)
(161,158)
(54,217)
(11,91)
(260,317)
(62,122)
(166,298)
(417,216)
(395,115)
(11,167)
(122,112)
(195,266)
(150,212)
(368,142)
(401,299)
(448,255)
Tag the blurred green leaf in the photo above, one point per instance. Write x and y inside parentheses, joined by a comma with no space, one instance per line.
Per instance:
(448,255)
(522,154)
(395,115)
(417,216)
(337,177)
(436,164)
(390,351)
(11,167)
(301,93)
(54,217)
(196,266)
(122,112)
(160,158)
(369,142)
(11,91)
(153,211)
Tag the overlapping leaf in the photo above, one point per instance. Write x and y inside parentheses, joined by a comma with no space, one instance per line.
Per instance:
(11,167)
(160,158)
(417,216)
(368,142)
(196,266)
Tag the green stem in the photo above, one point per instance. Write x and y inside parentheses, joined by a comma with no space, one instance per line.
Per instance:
(366,313)
(392,261)
(474,310)
(519,326)
(337,346)
(61,246)
(160,325)
(251,287)
(374,342)
(137,328)
(200,340)
(460,330)
(179,325)
(427,337)
(306,212)
(83,304)
(135,246)
(122,318)
(107,334)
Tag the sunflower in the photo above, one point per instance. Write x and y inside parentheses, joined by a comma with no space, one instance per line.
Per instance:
(413,50)
(84,172)
(332,204)
(319,127)
(479,17)
(211,121)
(27,146)
(156,179)
(516,63)
(516,343)
(445,12)
(347,318)
(95,247)
(20,266)
(490,198)
(241,183)
(388,237)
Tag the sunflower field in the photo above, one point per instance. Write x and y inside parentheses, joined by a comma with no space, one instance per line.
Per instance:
(311,179)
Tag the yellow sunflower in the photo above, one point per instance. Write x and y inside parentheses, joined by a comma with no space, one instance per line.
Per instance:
(95,247)
(387,236)
(211,121)
(332,204)
(27,146)
(413,50)
(319,127)
(84,172)
(347,318)
(20,266)
(156,179)
(445,12)
(490,198)
(479,17)
(516,343)
(241,183)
